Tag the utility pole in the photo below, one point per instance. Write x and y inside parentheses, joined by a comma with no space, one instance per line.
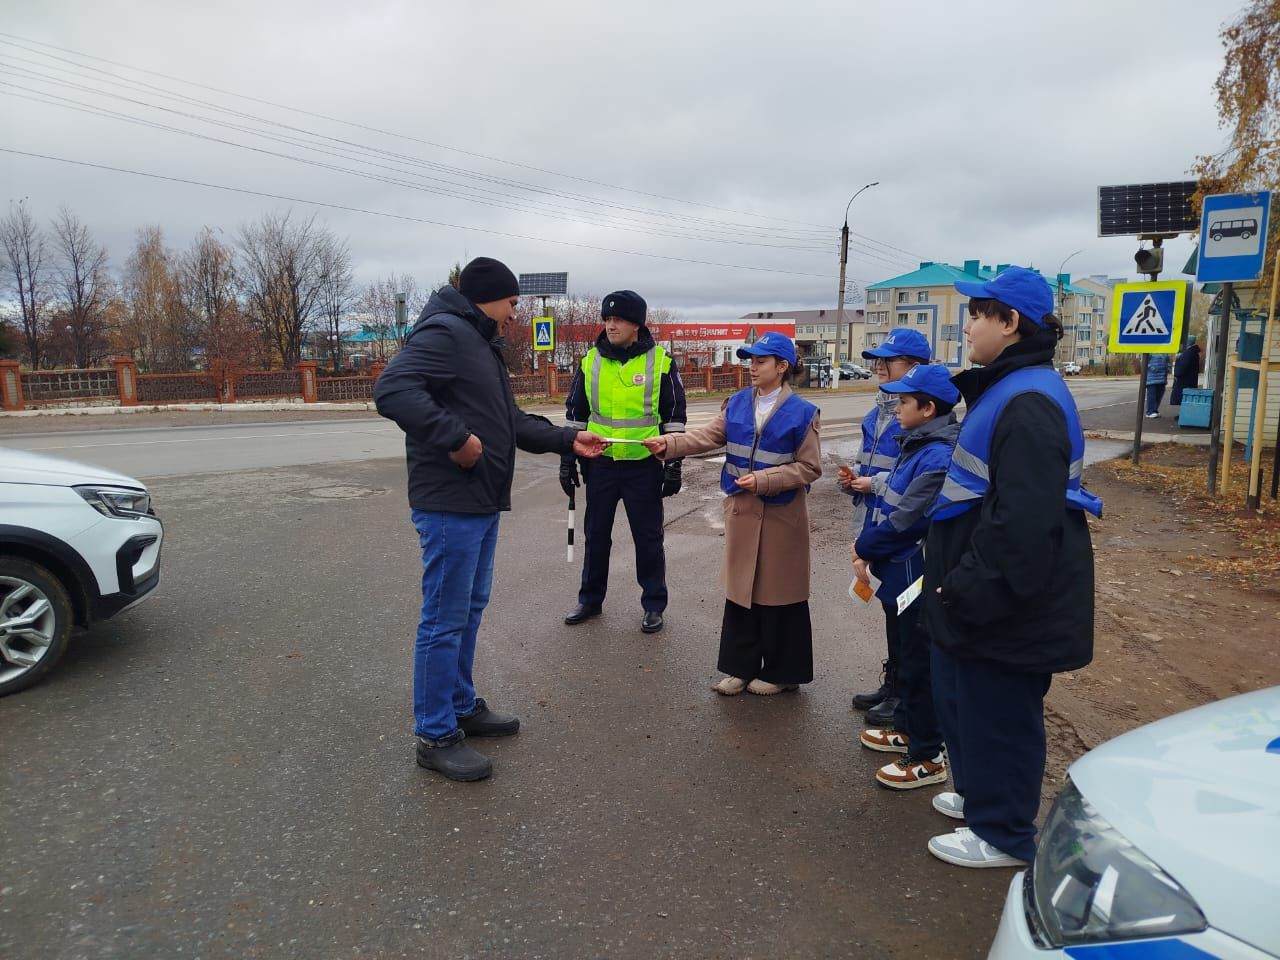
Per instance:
(1149,262)
(1219,348)
(844,259)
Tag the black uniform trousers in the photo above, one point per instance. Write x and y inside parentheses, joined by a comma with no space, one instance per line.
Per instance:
(915,714)
(638,484)
(992,719)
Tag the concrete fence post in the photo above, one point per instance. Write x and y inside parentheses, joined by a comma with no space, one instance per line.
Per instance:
(10,385)
(126,380)
(307,374)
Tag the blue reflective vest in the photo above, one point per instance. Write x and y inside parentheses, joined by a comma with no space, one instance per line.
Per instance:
(969,476)
(903,568)
(746,451)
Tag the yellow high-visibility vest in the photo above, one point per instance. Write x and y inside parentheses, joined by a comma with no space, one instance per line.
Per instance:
(624,398)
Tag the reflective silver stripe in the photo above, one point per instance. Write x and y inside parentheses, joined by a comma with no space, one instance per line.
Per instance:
(593,387)
(673,427)
(881,462)
(624,421)
(579,424)
(956,493)
(650,388)
(966,460)
(734,470)
(892,497)
(1076,470)
(764,456)
(738,450)
(862,457)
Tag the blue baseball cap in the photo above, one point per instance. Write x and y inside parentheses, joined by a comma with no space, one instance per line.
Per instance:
(771,345)
(932,379)
(1024,290)
(902,342)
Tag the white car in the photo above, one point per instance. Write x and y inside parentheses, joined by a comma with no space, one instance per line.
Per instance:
(1165,843)
(78,544)
(1070,368)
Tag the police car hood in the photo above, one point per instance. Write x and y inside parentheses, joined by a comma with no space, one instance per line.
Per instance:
(1199,793)
(22,466)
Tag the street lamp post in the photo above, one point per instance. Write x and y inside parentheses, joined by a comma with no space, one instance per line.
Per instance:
(1075,331)
(844,259)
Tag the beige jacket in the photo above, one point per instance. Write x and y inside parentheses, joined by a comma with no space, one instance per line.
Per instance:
(766,546)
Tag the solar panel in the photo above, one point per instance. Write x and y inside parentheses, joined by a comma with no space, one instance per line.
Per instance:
(544,284)
(1137,209)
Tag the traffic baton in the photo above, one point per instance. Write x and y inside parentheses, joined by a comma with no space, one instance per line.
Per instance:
(569,534)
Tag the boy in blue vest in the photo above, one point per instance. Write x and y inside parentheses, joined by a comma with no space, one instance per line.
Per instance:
(901,350)
(890,545)
(1008,580)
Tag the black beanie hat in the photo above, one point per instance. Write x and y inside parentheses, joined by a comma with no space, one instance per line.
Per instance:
(626,304)
(484,280)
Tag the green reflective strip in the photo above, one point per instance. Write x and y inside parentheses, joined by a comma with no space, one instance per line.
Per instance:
(593,389)
(963,458)
(650,388)
(624,422)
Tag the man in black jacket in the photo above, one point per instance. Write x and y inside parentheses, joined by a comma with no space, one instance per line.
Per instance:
(1008,582)
(626,387)
(449,391)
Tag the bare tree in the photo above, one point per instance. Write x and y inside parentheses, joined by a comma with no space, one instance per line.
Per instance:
(156,329)
(283,267)
(85,288)
(24,248)
(376,305)
(335,294)
(210,292)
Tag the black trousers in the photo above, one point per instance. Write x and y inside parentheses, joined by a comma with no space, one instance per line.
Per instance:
(993,720)
(774,644)
(915,714)
(638,484)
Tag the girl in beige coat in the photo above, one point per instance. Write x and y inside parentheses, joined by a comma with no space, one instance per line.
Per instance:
(770,436)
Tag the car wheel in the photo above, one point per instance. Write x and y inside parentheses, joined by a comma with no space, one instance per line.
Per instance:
(1246,235)
(35,623)
(1217,236)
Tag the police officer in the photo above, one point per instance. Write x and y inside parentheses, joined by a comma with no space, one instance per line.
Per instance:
(625,388)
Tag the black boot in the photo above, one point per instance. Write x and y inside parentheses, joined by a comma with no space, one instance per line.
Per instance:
(865,701)
(483,722)
(582,612)
(881,715)
(451,756)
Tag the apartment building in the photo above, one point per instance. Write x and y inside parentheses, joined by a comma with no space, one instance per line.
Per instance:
(818,333)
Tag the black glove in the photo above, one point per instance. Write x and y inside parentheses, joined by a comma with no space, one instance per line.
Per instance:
(671,478)
(569,475)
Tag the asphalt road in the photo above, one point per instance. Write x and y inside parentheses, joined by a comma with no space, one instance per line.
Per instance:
(227,770)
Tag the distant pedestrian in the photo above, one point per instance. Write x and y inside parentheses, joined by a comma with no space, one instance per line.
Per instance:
(1157,378)
(1186,371)
(449,391)
(770,436)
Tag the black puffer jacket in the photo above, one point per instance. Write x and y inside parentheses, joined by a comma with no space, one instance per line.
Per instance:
(1016,571)
(450,381)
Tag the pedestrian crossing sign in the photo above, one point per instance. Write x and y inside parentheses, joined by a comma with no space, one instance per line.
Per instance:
(1147,317)
(544,333)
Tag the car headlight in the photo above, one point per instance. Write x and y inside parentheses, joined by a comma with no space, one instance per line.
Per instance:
(1089,884)
(116,501)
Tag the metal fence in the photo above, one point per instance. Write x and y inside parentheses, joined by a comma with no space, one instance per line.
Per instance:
(61,386)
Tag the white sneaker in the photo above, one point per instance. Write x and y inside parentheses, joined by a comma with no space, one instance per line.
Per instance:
(1153,416)
(949,804)
(965,848)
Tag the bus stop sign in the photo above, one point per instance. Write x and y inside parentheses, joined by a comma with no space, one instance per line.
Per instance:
(1233,237)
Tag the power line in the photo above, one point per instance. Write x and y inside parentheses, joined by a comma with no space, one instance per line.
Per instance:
(372,129)
(409,219)
(870,245)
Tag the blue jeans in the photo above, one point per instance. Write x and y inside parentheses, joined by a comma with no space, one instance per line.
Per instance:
(457,575)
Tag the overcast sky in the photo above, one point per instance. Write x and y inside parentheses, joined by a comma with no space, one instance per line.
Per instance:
(728,133)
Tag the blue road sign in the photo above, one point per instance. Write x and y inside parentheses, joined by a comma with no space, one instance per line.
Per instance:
(1147,317)
(544,333)
(1233,237)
